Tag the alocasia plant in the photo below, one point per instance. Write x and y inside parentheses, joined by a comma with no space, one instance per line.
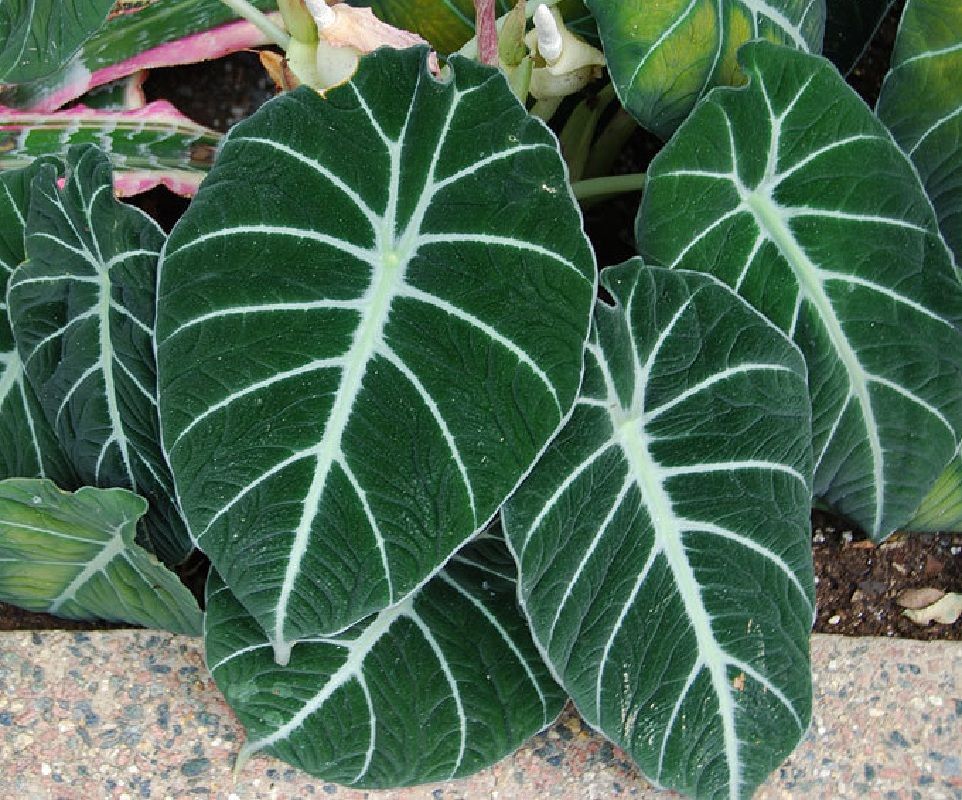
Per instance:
(379,327)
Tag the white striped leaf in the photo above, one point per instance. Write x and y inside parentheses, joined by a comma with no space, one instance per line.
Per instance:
(921,103)
(663,542)
(663,56)
(370,323)
(82,310)
(74,555)
(792,192)
(437,687)
(28,445)
(37,37)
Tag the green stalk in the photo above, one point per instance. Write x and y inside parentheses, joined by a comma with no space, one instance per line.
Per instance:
(609,144)
(470,48)
(242,7)
(579,131)
(609,185)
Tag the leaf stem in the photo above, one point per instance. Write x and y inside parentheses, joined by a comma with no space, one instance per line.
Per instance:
(470,48)
(257,18)
(610,184)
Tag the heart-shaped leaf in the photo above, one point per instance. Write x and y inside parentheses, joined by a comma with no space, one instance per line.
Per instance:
(28,445)
(370,323)
(37,37)
(663,540)
(74,555)
(818,220)
(663,56)
(82,308)
(437,687)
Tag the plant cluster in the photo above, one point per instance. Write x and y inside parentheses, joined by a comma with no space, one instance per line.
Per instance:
(446,472)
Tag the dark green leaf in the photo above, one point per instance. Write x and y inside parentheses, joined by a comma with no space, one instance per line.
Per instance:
(792,192)
(437,687)
(82,308)
(38,37)
(370,323)
(28,445)
(664,541)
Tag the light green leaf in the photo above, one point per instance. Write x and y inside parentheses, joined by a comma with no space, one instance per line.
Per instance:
(941,509)
(818,220)
(37,37)
(74,555)
(370,323)
(663,56)
(663,541)
(437,687)
(82,308)
(28,445)
(849,28)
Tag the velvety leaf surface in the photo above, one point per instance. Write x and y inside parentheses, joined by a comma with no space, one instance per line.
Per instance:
(370,323)
(664,542)
(74,555)
(849,27)
(792,192)
(663,56)
(37,37)
(82,308)
(28,445)
(921,103)
(437,687)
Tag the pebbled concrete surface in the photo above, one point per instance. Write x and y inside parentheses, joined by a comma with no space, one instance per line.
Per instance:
(133,714)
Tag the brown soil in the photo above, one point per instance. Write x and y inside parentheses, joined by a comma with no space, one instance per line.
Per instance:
(857,581)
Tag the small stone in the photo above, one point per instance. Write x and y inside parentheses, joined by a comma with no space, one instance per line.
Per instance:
(194,767)
(834,619)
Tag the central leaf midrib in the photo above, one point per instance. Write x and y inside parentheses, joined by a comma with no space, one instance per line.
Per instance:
(106,367)
(385,283)
(357,652)
(111,549)
(770,221)
(634,442)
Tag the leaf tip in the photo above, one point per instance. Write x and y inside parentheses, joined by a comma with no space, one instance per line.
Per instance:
(243,756)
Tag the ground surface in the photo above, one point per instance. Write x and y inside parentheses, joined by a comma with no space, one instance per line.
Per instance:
(134,714)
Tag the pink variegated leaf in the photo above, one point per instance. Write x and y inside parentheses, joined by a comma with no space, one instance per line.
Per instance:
(149,146)
(158,34)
